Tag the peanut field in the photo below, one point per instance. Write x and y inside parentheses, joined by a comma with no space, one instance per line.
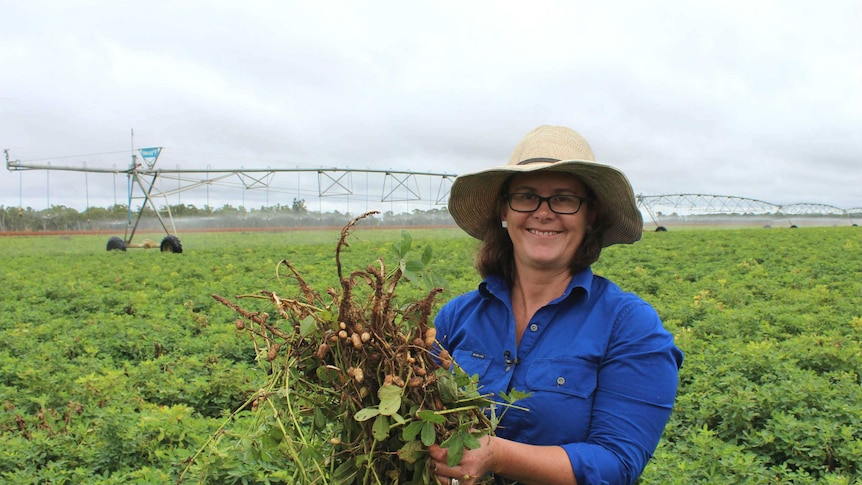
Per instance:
(121,367)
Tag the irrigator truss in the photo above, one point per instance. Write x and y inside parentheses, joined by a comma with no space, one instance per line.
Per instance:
(143,176)
(704,204)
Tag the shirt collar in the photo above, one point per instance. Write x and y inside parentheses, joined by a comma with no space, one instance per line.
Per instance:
(580,284)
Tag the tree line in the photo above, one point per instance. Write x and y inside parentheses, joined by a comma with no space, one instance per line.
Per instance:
(189,216)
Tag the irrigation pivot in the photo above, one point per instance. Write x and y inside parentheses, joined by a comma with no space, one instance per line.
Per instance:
(144,189)
(141,179)
(699,205)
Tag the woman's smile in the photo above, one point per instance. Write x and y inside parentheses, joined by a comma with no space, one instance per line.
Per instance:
(543,233)
(543,239)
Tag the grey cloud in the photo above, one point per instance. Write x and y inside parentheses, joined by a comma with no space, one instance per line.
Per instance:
(760,100)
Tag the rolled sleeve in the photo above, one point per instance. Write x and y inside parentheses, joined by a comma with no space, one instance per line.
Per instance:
(633,402)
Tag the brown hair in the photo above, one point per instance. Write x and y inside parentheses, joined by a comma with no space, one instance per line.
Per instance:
(496,254)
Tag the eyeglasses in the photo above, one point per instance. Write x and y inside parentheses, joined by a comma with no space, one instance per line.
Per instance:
(561,204)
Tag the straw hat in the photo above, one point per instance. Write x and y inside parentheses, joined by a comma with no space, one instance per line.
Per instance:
(474,197)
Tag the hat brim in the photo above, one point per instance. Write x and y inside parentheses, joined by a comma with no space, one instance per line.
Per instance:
(474,197)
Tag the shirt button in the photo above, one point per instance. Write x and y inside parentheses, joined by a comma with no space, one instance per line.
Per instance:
(534,327)
(561,381)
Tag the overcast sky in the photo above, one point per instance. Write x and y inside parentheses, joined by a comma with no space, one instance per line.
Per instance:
(759,99)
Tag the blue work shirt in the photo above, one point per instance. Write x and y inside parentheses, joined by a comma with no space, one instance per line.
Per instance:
(601,368)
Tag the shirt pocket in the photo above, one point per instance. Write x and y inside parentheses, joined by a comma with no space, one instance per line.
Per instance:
(571,377)
(472,362)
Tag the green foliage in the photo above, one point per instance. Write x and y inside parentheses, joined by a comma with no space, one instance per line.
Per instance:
(354,378)
(117,367)
(769,322)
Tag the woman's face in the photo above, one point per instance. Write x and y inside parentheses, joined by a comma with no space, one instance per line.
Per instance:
(544,239)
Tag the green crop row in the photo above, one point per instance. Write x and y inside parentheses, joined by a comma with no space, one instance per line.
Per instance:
(119,366)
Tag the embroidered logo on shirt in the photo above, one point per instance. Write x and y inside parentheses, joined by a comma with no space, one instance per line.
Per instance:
(478,355)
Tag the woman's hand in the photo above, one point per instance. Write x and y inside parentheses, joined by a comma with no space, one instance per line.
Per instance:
(474,464)
(529,464)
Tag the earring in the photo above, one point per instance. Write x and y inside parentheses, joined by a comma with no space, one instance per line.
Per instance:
(504,224)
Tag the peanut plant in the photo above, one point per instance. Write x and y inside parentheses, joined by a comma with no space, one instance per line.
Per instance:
(358,386)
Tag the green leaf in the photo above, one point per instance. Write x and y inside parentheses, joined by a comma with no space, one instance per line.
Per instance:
(471,440)
(514,395)
(446,385)
(431,416)
(327,316)
(363,459)
(455,445)
(436,280)
(429,435)
(427,255)
(380,428)
(462,378)
(410,431)
(319,419)
(413,266)
(390,399)
(406,243)
(307,326)
(325,374)
(366,414)
(411,451)
(345,472)
(398,418)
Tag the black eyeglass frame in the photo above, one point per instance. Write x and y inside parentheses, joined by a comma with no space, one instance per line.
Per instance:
(541,199)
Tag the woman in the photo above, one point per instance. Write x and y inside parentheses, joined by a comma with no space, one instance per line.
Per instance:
(600,368)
